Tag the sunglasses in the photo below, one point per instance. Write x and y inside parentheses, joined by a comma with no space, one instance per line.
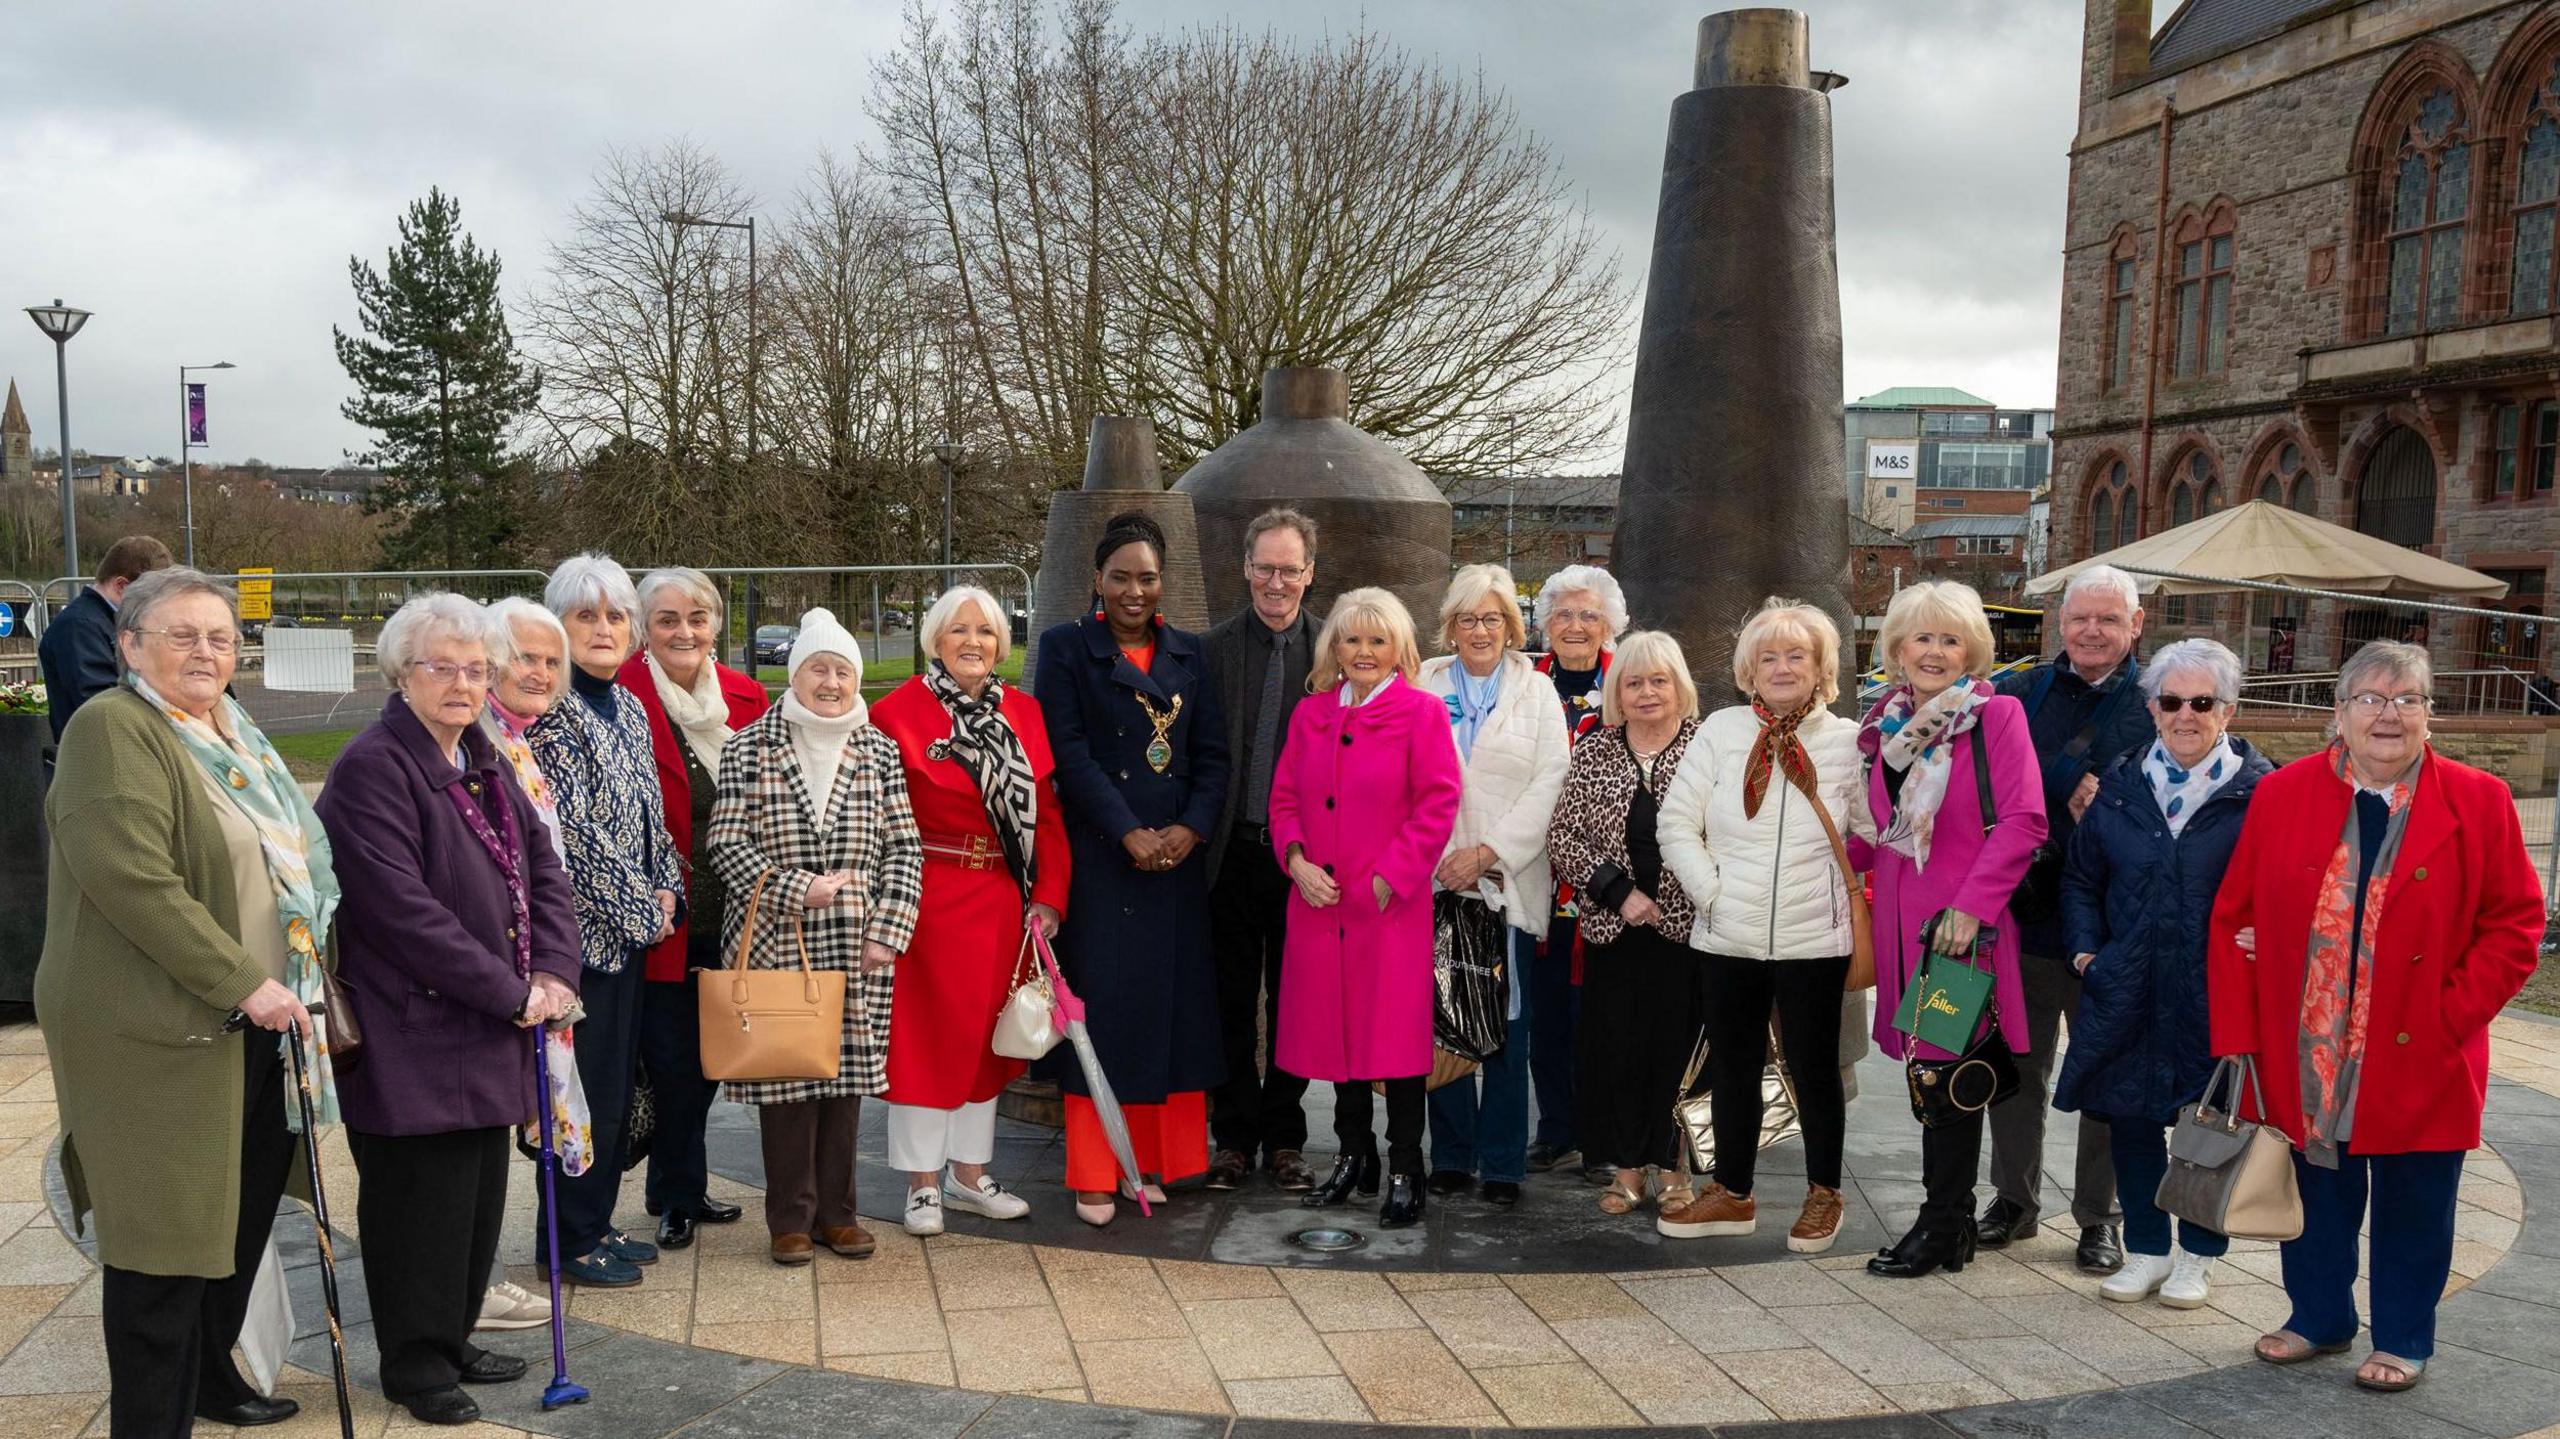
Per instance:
(2201,704)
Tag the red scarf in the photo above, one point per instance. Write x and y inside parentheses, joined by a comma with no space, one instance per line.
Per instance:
(1776,745)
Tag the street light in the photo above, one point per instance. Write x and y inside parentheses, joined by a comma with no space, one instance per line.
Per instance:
(60,322)
(186,449)
(680,219)
(948,452)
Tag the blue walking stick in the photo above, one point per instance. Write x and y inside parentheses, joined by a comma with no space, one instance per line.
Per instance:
(560,1391)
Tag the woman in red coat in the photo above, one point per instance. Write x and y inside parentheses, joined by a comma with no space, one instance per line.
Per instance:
(694,703)
(2378,913)
(995,861)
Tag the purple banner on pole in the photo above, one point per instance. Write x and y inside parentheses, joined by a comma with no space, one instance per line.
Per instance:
(195,414)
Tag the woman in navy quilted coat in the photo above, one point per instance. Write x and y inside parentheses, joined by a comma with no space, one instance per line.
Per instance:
(2136,894)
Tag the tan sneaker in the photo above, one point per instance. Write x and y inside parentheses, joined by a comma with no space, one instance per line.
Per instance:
(1714,1214)
(1819,1224)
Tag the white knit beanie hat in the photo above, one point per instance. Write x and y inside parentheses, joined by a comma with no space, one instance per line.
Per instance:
(821,635)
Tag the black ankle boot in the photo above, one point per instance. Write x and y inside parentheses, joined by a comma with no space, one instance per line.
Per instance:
(1404,1202)
(1352,1174)
(1926,1250)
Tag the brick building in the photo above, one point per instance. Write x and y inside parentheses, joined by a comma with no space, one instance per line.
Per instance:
(2310,259)
(1921,453)
(1533,524)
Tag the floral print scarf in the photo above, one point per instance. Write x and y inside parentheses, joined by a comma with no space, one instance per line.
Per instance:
(1919,738)
(2337,977)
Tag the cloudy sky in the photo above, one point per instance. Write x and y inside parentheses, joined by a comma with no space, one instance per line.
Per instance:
(204,176)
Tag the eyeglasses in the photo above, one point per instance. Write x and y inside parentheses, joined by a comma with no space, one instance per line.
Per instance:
(445,672)
(1267,573)
(221,642)
(1479,622)
(2201,704)
(1583,617)
(2371,702)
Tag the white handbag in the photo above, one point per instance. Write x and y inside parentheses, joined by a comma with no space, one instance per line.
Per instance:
(1027,1027)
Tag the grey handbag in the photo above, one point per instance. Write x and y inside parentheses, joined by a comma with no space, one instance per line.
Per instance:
(2228,1174)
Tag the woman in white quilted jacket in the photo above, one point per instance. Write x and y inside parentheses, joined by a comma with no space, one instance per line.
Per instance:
(1510,733)
(1743,826)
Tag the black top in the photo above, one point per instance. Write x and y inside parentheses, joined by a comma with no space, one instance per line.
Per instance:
(1644,844)
(598,693)
(706,905)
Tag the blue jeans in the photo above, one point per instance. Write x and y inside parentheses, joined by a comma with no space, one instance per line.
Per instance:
(1480,1125)
(2141,1153)
(2413,1202)
(1551,1006)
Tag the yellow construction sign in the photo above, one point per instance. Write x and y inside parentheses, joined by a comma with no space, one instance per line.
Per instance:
(257,597)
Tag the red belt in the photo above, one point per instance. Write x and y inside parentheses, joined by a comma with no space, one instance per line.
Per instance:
(975,851)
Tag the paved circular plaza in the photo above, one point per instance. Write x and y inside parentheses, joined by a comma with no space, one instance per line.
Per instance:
(1206,1323)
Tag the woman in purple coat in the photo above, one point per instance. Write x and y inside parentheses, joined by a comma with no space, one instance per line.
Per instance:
(1936,744)
(455,938)
(1361,807)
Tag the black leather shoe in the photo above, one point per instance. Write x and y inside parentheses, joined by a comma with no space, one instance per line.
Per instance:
(1501,1193)
(1227,1170)
(1404,1203)
(1544,1156)
(448,1405)
(712,1211)
(493,1369)
(1925,1251)
(251,1412)
(1289,1172)
(1351,1175)
(2101,1251)
(1599,1176)
(1445,1182)
(675,1231)
(2001,1222)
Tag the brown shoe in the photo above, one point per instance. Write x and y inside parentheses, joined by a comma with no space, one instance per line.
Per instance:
(1227,1170)
(851,1240)
(1289,1172)
(1819,1224)
(793,1249)
(1714,1214)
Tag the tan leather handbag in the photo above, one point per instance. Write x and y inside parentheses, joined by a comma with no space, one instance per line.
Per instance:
(1862,921)
(770,1024)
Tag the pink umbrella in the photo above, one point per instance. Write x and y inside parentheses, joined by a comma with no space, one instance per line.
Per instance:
(1106,1105)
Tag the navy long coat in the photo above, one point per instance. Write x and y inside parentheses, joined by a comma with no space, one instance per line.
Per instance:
(1135,945)
(2140,900)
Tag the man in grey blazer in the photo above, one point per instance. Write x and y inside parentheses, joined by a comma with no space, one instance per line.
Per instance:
(1259,658)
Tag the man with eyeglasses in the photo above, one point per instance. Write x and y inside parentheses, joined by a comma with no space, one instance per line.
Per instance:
(1259,658)
(78,650)
(2084,711)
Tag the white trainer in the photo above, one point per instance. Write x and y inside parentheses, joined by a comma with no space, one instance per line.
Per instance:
(508,1306)
(2140,1277)
(2186,1288)
(924,1212)
(987,1198)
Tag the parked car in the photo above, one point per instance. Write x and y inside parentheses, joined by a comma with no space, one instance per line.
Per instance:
(773,643)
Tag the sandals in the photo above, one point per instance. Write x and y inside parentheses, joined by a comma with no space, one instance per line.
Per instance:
(1675,1197)
(2405,1373)
(1622,1199)
(2292,1348)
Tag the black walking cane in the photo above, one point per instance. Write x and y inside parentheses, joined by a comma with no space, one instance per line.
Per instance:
(320,1226)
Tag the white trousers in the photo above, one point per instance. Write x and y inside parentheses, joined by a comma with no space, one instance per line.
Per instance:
(922,1140)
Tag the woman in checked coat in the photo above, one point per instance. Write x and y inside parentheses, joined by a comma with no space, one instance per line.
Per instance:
(813,826)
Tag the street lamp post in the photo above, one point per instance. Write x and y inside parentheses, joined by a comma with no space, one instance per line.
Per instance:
(186,450)
(680,219)
(60,322)
(948,452)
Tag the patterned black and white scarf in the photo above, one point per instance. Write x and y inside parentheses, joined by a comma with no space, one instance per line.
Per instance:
(986,746)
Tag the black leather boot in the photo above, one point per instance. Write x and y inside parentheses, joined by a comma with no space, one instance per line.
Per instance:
(1925,1251)
(1404,1202)
(1352,1174)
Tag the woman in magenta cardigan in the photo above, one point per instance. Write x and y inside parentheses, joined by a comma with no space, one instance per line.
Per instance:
(1361,806)
(1930,744)
(694,704)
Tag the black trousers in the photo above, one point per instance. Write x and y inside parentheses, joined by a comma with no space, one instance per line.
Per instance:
(1255,1111)
(169,1336)
(1950,1162)
(1354,1109)
(671,1049)
(608,1045)
(432,1207)
(1805,994)
(1555,1007)
(1639,1025)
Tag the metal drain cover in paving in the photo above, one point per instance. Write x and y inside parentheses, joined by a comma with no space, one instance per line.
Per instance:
(1328,1240)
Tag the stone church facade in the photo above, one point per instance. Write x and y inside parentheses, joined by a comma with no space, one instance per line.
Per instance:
(2310,258)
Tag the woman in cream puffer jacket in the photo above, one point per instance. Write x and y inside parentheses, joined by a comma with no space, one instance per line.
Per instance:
(1509,728)
(1741,828)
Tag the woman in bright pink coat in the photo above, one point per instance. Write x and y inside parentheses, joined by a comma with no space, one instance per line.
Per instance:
(1362,803)
(1930,746)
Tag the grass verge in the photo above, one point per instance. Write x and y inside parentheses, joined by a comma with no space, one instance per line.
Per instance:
(310,755)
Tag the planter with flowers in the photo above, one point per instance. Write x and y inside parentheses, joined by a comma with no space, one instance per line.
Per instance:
(25,731)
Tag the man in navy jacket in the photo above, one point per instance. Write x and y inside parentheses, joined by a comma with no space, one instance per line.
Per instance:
(78,650)
(2084,710)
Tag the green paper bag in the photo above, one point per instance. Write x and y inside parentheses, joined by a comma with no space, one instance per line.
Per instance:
(1945,1001)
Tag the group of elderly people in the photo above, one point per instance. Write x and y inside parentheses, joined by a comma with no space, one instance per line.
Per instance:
(567,810)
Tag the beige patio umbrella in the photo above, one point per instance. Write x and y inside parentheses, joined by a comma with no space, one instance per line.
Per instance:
(2270,544)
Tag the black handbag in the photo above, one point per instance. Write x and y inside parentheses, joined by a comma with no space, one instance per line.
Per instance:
(1944,1091)
(1470,972)
(640,1126)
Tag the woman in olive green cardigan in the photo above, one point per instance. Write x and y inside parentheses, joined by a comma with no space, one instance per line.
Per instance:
(174,1128)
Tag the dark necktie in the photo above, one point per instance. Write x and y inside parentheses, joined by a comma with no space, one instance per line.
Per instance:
(1266,734)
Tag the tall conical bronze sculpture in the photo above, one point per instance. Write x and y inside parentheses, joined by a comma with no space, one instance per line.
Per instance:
(1379,519)
(1120,473)
(1731,489)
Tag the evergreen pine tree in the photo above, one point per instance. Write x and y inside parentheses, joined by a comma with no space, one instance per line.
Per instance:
(442,388)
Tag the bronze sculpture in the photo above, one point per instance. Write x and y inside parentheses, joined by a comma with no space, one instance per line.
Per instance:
(1120,473)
